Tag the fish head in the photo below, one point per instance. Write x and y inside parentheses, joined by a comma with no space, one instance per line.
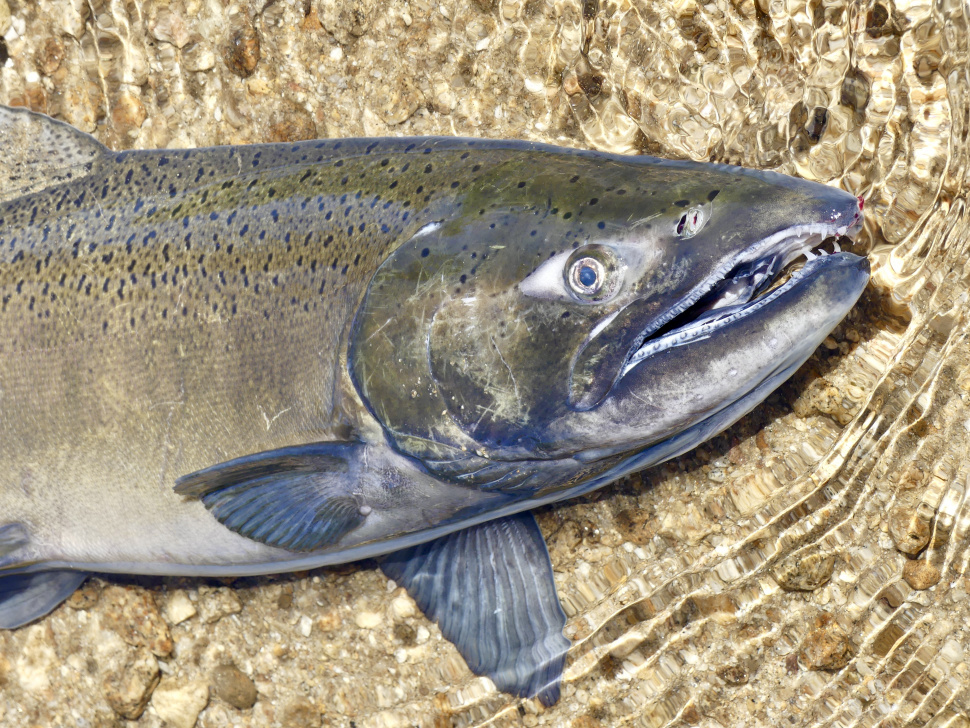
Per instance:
(578,306)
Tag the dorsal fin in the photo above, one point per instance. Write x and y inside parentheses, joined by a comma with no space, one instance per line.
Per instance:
(37,152)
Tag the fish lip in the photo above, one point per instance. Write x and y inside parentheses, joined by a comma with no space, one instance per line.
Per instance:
(770,245)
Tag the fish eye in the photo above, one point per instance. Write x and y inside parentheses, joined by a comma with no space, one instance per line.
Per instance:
(591,273)
(586,276)
(690,222)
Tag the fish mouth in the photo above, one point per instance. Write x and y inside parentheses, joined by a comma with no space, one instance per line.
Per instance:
(754,279)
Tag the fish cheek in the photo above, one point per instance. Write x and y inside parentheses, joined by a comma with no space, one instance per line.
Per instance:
(501,368)
(388,352)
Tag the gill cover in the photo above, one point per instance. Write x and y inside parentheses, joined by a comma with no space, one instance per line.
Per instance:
(467,334)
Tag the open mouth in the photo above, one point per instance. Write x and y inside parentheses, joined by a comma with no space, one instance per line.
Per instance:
(761,275)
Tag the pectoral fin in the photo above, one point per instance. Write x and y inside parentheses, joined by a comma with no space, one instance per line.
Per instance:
(490,588)
(297,498)
(26,597)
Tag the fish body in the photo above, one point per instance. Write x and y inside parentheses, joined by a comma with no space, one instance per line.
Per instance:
(246,360)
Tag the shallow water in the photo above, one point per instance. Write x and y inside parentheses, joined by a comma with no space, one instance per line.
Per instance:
(673,580)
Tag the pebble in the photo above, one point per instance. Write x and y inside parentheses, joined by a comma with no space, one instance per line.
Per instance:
(128,113)
(295,125)
(329,621)
(305,625)
(4,17)
(909,532)
(199,57)
(128,685)
(170,27)
(38,661)
(178,703)
(243,53)
(806,574)
(232,685)
(827,647)
(733,675)
(214,604)
(367,620)
(920,574)
(132,613)
(402,607)
(179,608)
(89,593)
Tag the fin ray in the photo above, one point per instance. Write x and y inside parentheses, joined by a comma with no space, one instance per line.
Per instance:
(490,588)
(296,498)
(26,597)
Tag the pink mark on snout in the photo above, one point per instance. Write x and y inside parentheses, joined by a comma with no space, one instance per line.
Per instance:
(862,203)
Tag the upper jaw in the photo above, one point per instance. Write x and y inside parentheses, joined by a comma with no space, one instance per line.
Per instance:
(726,295)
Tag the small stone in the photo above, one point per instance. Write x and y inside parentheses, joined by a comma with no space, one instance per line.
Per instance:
(305,625)
(402,607)
(329,621)
(347,20)
(233,686)
(636,526)
(214,604)
(72,17)
(243,52)
(170,27)
(807,573)
(827,647)
(52,56)
(301,713)
(855,90)
(367,620)
(876,21)
(685,522)
(909,532)
(128,686)
(920,574)
(179,607)
(4,17)
(36,662)
(733,675)
(128,112)
(296,125)
(178,703)
(131,612)
(199,57)
(405,633)
(396,103)
(86,596)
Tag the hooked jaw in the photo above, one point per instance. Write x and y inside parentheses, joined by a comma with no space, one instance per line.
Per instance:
(754,279)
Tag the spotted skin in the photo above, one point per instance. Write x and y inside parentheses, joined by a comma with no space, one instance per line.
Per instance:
(164,312)
(244,360)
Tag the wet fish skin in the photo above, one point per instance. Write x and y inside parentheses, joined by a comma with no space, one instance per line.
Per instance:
(245,360)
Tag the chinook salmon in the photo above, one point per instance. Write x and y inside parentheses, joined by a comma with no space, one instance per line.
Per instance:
(246,360)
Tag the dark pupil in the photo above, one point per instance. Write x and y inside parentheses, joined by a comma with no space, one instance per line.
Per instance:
(587,276)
